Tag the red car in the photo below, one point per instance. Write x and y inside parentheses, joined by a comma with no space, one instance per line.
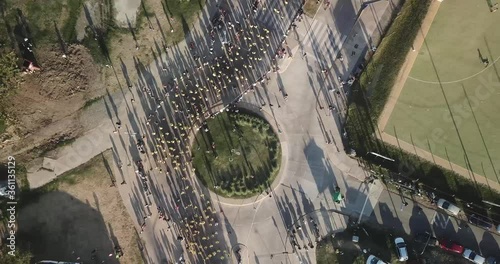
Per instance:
(451,246)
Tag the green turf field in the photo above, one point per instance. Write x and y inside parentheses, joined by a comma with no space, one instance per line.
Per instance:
(421,115)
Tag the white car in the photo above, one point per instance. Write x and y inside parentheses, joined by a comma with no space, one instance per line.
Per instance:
(472,256)
(447,206)
(401,249)
(374,260)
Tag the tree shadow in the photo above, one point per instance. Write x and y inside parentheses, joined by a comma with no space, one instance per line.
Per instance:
(78,224)
(60,39)
(185,26)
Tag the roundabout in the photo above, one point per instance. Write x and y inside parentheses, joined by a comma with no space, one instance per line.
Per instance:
(236,154)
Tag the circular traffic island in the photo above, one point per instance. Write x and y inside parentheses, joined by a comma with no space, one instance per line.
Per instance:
(236,155)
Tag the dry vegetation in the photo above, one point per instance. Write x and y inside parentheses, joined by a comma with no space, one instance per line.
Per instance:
(77,213)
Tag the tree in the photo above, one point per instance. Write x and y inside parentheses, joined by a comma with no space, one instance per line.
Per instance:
(9,72)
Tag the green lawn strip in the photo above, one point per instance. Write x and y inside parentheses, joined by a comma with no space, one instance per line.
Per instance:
(368,99)
(248,155)
(447,182)
(68,30)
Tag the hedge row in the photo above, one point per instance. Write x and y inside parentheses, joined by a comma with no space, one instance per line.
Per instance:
(380,75)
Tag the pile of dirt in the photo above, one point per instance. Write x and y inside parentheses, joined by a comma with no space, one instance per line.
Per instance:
(64,77)
(57,91)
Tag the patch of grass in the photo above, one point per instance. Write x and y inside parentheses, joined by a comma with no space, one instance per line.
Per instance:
(41,17)
(65,142)
(311,7)
(83,190)
(325,254)
(143,15)
(184,14)
(368,99)
(380,74)
(70,177)
(68,30)
(98,39)
(98,52)
(92,101)
(246,158)
(22,177)
(43,149)
(437,255)
(378,241)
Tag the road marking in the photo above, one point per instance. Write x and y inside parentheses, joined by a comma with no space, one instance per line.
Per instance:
(440,220)
(433,217)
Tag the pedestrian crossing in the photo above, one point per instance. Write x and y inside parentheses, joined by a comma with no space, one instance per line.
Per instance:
(277,15)
(323,39)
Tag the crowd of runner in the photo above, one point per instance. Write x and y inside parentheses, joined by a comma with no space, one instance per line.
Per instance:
(181,106)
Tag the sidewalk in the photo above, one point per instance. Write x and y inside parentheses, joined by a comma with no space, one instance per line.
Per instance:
(82,150)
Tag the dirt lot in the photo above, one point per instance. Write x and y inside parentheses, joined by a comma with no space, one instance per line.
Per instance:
(76,214)
(59,90)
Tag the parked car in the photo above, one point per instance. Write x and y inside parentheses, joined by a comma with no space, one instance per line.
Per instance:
(422,241)
(374,260)
(472,256)
(447,206)
(480,221)
(451,246)
(426,238)
(401,249)
(492,260)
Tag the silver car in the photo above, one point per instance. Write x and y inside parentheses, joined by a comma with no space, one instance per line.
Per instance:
(401,249)
(447,206)
(374,260)
(472,256)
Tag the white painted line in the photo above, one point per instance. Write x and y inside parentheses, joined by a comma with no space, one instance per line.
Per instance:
(434,217)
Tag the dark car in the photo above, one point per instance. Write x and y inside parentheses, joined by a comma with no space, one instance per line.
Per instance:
(480,221)
(492,260)
(424,240)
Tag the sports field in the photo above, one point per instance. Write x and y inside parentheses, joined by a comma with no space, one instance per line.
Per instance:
(463,38)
